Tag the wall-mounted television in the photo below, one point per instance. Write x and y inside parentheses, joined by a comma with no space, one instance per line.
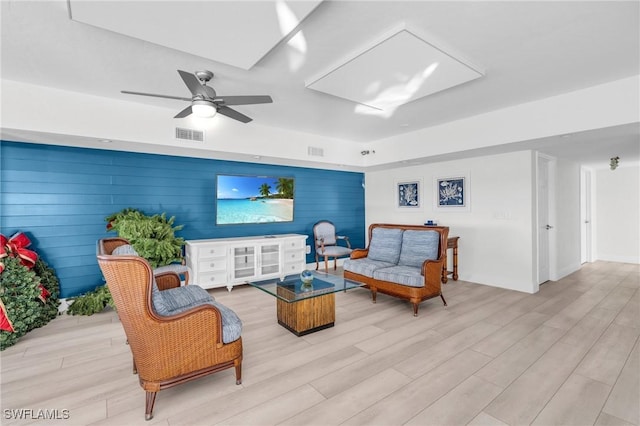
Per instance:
(253,199)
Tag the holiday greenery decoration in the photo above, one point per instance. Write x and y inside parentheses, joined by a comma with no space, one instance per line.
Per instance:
(91,302)
(48,281)
(29,290)
(19,292)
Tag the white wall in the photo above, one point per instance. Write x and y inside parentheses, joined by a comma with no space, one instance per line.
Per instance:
(495,233)
(139,127)
(567,219)
(595,107)
(132,126)
(617,214)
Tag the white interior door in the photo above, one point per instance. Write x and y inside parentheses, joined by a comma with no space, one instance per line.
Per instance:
(543,224)
(585,216)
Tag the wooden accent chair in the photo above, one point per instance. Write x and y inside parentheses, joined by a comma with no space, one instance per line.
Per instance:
(326,244)
(117,243)
(176,348)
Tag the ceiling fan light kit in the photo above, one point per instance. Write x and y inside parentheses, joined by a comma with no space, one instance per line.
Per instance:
(204,102)
(203,109)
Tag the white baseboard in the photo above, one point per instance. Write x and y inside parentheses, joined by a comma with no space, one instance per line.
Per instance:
(64,305)
(567,270)
(618,258)
(312,266)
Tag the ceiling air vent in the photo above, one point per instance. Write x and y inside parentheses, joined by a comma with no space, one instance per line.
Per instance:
(315,151)
(189,134)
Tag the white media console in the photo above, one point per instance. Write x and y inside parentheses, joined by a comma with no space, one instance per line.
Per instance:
(227,262)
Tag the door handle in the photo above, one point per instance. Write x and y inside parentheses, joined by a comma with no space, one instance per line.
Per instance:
(548,227)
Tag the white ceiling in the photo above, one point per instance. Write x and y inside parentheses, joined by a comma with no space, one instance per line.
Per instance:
(521,51)
(235,33)
(399,69)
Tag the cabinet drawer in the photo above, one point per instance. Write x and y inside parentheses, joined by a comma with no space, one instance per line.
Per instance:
(210,265)
(293,256)
(293,268)
(212,279)
(212,251)
(293,244)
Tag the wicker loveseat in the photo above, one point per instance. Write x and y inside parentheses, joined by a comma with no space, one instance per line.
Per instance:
(401,260)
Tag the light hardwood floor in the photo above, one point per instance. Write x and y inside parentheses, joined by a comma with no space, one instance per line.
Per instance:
(568,355)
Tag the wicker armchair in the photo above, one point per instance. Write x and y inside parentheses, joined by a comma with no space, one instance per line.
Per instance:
(167,350)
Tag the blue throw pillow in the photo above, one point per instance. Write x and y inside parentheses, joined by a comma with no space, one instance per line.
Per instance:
(418,246)
(385,244)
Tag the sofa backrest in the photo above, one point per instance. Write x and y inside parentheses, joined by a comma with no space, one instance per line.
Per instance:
(418,246)
(385,244)
(424,242)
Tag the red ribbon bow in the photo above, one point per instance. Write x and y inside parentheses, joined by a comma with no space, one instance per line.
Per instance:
(5,322)
(16,246)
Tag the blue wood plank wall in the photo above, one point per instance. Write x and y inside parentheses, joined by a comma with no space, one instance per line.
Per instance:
(60,196)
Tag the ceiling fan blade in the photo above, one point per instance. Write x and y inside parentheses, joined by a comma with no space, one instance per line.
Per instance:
(193,83)
(232,113)
(156,96)
(243,100)
(184,112)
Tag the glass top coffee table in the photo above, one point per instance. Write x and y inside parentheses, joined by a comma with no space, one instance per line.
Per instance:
(306,308)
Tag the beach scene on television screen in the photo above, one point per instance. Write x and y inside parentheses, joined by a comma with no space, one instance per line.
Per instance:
(253,199)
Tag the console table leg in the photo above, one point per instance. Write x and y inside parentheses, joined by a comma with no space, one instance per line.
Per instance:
(444,269)
(452,243)
(455,263)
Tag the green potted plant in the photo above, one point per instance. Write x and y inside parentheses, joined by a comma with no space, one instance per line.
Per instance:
(153,237)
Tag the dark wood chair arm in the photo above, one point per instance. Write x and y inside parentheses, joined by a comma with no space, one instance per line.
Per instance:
(432,271)
(359,253)
(167,280)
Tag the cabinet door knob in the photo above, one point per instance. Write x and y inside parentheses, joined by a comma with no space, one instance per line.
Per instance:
(212,279)
(212,264)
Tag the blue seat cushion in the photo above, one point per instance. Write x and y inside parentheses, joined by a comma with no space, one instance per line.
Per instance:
(385,244)
(364,266)
(418,246)
(334,251)
(180,299)
(403,275)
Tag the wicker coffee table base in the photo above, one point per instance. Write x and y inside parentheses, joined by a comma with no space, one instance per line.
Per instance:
(307,315)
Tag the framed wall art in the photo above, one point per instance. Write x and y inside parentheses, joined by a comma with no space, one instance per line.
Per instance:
(452,192)
(408,195)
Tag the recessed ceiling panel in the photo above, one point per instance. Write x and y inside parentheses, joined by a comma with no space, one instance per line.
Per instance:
(237,33)
(400,69)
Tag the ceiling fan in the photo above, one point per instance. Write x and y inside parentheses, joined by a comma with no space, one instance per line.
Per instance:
(205,102)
